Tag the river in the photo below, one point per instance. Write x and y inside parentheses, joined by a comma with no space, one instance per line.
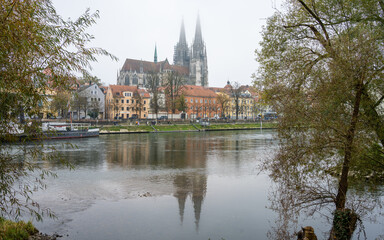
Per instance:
(163,186)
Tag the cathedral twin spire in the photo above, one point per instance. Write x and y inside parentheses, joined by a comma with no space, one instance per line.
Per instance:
(195,58)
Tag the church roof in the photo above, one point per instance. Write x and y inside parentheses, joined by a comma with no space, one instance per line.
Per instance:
(180,69)
(135,65)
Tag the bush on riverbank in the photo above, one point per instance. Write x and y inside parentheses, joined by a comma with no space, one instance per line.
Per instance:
(16,230)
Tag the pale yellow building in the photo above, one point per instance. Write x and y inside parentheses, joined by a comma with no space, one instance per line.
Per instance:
(126,102)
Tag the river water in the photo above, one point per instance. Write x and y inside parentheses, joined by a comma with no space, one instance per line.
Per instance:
(162,186)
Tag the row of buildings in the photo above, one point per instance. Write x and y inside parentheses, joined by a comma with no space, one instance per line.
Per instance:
(192,102)
(132,98)
(132,102)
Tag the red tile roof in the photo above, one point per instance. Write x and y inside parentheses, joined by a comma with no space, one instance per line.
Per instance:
(198,91)
(120,89)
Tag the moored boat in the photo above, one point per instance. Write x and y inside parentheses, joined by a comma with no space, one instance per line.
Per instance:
(56,130)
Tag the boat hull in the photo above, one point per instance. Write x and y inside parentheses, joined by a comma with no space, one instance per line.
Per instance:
(71,134)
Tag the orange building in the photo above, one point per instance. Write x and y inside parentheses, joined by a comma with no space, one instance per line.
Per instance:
(201,102)
(124,102)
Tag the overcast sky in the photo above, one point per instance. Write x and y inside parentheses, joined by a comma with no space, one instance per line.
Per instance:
(131,28)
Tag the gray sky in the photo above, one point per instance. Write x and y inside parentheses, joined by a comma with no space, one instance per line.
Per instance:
(131,28)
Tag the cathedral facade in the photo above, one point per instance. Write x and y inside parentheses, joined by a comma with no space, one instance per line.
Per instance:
(188,62)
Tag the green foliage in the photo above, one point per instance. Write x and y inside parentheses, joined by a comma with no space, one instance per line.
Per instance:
(344,223)
(181,104)
(16,230)
(40,53)
(319,69)
(94,113)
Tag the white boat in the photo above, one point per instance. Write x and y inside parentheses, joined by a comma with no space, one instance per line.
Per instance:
(58,130)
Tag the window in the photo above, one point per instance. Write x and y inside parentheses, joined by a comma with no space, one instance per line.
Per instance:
(127,108)
(128,94)
(191,100)
(122,101)
(205,100)
(122,108)
(99,99)
(214,101)
(117,101)
(144,109)
(144,115)
(133,101)
(201,100)
(196,101)
(145,102)
(95,88)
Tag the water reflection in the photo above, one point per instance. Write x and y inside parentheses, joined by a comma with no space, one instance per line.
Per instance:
(169,151)
(146,166)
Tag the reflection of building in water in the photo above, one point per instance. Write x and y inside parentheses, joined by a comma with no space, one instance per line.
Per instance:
(194,186)
(127,153)
(170,151)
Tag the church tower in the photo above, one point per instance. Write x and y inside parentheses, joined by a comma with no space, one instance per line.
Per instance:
(198,58)
(155,57)
(181,53)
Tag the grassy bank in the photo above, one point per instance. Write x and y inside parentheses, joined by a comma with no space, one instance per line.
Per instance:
(16,230)
(183,127)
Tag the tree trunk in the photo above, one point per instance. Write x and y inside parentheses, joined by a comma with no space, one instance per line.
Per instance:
(341,233)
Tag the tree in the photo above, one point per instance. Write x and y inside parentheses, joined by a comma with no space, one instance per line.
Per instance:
(321,70)
(196,107)
(181,103)
(138,104)
(173,84)
(60,103)
(153,84)
(114,107)
(94,109)
(223,101)
(39,52)
(79,103)
(87,79)
(235,92)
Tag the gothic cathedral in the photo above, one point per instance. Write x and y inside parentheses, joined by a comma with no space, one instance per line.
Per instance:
(195,58)
(190,63)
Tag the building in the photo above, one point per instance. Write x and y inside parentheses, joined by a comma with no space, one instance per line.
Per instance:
(190,63)
(126,102)
(194,58)
(201,102)
(88,102)
(136,72)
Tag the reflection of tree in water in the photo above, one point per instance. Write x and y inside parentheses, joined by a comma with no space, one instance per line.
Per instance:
(298,195)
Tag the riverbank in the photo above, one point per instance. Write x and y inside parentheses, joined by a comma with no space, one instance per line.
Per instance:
(190,127)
